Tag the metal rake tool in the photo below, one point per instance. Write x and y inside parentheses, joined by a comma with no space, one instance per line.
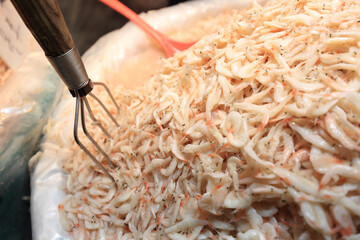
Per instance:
(46,23)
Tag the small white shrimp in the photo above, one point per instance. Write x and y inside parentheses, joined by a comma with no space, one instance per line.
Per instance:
(337,133)
(312,137)
(237,128)
(344,219)
(185,224)
(252,234)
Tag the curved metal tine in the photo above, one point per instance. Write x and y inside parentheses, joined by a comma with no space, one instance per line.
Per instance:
(92,157)
(105,109)
(110,94)
(95,120)
(83,123)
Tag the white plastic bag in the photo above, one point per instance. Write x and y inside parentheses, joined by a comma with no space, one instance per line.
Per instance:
(26,100)
(109,52)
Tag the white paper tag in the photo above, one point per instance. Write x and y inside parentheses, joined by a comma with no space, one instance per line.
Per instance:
(14,36)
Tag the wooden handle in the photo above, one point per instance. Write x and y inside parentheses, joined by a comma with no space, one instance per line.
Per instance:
(46,22)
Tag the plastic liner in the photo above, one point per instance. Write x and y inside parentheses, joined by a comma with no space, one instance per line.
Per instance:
(108,53)
(26,100)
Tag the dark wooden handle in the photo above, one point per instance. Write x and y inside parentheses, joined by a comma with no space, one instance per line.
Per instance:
(46,22)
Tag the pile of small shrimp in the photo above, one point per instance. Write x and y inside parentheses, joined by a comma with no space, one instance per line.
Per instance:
(253,133)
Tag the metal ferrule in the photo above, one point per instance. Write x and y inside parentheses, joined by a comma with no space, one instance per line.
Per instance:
(71,69)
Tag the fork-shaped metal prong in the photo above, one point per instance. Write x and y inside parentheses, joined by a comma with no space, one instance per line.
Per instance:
(80,106)
(105,109)
(83,123)
(110,94)
(95,121)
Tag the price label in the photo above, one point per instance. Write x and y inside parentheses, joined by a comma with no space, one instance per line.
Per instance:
(15,38)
